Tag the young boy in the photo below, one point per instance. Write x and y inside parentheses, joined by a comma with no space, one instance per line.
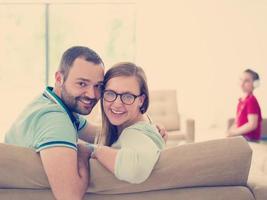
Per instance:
(248,116)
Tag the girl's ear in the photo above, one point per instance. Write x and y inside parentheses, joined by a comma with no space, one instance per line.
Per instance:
(142,100)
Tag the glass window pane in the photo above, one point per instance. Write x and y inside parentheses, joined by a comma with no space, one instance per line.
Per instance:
(109,29)
(22,68)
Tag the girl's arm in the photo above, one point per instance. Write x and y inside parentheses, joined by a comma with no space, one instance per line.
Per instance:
(134,161)
(106,156)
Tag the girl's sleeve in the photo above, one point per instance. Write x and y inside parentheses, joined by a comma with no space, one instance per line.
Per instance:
(137,156)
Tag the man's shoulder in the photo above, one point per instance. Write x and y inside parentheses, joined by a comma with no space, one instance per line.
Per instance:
(42,105)
(41,112)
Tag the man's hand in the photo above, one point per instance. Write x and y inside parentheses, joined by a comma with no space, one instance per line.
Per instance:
(163,132)
(84,151)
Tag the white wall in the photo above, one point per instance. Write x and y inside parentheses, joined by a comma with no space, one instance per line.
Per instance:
(200,48)
(196,47)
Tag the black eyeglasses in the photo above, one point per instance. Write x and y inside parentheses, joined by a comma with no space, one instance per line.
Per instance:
(126,98)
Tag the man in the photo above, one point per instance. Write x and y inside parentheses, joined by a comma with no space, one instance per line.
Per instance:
(51,125)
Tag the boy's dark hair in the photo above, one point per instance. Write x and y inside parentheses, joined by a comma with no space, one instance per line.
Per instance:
(255,75)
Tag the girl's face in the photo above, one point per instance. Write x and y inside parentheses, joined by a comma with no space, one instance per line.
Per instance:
(246,83)
(122,101)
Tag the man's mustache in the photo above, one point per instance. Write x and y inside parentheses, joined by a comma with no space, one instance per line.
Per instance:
(92,100)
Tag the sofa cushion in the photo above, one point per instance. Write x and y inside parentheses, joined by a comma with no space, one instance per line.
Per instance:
(257,182)
(258,173)
(213,163)
(199,193)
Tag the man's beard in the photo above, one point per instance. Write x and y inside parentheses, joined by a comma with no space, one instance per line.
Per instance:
(72,102)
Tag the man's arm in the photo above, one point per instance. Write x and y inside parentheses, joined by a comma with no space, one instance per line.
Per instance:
(89,132)
(67,174)
(247,127)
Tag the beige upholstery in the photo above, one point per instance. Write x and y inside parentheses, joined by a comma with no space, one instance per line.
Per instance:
(163,110)
(199,193)
(213,163)
(258,172)
(219,163)
(264,128)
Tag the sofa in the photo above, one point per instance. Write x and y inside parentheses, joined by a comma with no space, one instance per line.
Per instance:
(208,170)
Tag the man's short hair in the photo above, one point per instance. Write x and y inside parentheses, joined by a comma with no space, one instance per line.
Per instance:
(74,52)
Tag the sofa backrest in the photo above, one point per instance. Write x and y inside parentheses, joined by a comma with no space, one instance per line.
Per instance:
(264,128)
(223,162)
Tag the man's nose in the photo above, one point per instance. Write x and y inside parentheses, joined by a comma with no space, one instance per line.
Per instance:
(90,92)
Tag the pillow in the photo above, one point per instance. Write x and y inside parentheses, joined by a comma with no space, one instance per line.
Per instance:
(213,163)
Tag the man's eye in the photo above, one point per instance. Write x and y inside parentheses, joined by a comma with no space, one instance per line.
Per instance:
(82,84)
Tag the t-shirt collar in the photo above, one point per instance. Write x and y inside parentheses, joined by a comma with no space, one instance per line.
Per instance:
(56,99)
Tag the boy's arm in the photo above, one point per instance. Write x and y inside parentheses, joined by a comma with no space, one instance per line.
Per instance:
(247,127)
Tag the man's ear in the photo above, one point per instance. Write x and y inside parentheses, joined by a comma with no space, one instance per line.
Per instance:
(59,78)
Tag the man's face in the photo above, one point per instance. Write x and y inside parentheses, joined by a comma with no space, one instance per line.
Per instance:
(82,88)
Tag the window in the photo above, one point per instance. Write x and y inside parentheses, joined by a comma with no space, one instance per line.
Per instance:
(35,36)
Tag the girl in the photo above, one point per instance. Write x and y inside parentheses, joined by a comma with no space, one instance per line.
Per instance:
(132,145)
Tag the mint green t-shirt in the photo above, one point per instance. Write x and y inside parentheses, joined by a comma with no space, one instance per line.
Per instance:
(44,123)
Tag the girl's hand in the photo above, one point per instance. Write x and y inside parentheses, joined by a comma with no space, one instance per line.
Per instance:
(163,132)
